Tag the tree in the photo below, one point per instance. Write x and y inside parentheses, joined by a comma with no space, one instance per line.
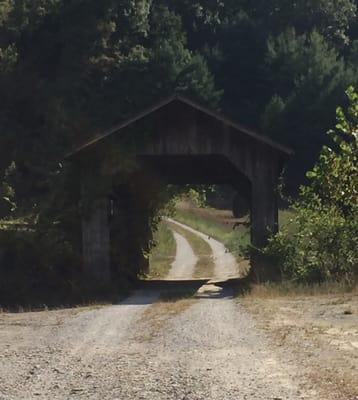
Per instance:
(70,69)
(334,178)
(264,50)
(309,76)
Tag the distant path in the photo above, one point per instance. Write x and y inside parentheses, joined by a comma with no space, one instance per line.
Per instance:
(185,259)
(226,265)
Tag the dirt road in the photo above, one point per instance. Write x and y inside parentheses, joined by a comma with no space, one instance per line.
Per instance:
(206,347)
(225,263)
(185,259)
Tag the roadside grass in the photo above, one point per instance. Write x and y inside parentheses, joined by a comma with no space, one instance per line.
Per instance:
(287,289)
(234,240)
(163,254)
(204,267)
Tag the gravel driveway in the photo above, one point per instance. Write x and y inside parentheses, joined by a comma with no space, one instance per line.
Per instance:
(207,348)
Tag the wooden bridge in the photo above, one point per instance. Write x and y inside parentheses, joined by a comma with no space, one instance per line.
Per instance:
(175,141)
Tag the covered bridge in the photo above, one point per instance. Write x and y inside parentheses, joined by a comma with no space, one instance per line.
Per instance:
(176,141)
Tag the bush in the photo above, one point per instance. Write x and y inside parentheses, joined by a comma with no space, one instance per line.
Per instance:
(37,268)
(323,243)
(323,246)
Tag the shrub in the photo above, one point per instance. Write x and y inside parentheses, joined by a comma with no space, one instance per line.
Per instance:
(323,246)
(37,268)
(323,242)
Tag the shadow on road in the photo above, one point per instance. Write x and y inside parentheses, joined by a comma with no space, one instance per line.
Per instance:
(150,291)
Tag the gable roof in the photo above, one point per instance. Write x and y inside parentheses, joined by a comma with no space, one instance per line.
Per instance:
(157,106)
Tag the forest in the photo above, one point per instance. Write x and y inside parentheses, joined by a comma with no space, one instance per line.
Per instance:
(72,68)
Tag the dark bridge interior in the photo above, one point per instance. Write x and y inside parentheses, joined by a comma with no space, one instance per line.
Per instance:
(196,169)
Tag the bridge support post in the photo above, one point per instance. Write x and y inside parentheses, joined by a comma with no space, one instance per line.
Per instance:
(264,221)
(96,244)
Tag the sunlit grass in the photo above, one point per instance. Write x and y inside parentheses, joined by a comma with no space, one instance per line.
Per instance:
(163,254)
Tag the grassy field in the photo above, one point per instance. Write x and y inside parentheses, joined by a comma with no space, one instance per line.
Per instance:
(163,253)
(204,268)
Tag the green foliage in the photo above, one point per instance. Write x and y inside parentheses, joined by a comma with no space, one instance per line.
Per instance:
(163,252)
(309,77)
(70,69)
(196,195)
(38,268)
(323,242)
(323,246)
(334,179)
(283,67)
(273,114)
(7,193)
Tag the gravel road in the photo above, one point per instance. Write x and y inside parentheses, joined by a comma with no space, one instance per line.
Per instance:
(207,348)
(185,259)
